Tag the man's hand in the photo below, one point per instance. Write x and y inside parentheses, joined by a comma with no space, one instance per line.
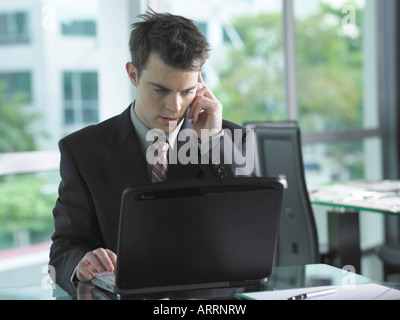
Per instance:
(206,113)
(98,260)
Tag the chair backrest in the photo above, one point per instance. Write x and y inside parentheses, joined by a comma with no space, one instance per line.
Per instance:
(280,155)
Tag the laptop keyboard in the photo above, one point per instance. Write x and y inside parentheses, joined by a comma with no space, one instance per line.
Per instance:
(106,276)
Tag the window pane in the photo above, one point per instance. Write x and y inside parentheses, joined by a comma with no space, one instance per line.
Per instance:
(80,98)
(67,86)
(90,115)
(14,28)
(3,26)
(17,83)
(58,74)
(203,27)
(79,18)
(21,26)
(342,161)
(79,28)
(68,116)
(89,86)
(246,66)
(335,65)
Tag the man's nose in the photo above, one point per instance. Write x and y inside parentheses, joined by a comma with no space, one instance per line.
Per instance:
(174,103)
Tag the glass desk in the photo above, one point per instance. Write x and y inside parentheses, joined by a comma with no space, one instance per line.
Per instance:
(280,279)
(346,201)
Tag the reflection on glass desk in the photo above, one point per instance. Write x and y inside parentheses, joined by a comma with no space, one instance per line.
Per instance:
(382,196)
(280,279)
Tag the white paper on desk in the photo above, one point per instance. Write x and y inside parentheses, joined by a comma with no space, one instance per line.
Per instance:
(368,291)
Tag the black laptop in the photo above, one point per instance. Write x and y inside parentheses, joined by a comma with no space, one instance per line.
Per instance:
(196,234)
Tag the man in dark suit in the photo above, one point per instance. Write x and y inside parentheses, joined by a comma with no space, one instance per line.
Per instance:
(99,162)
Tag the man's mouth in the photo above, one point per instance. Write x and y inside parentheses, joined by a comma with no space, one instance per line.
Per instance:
(167,120)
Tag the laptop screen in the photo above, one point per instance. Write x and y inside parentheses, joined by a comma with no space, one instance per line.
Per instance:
(198,231)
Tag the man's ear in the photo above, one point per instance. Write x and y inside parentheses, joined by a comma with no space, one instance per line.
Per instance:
(132,73)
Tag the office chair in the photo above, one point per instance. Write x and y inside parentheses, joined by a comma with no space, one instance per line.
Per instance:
(390,256)
(279,155)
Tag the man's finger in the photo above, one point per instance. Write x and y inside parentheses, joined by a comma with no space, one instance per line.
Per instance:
(113,258)
(83,271)
(105,262)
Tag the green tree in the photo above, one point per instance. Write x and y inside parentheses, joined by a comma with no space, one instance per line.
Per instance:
(329,68)
(23,204)
(330,82)
(16,132)
(251,78)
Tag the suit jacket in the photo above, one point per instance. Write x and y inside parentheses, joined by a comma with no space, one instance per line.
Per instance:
(97,164)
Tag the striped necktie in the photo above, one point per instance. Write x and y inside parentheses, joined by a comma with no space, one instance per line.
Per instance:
(160,164)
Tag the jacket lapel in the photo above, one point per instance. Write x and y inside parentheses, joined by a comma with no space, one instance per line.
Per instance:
(129,160)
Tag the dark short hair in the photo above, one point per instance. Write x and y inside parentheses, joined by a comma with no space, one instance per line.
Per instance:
(176,40)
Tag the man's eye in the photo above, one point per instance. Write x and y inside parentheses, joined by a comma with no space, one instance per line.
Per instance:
(160,90)
(187,93)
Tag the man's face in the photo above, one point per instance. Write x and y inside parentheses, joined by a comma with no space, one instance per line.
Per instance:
(162,93)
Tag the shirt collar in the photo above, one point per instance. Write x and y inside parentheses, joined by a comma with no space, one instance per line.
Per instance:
(142,130)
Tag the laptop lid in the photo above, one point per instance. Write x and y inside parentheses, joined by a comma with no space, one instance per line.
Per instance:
(198,232)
